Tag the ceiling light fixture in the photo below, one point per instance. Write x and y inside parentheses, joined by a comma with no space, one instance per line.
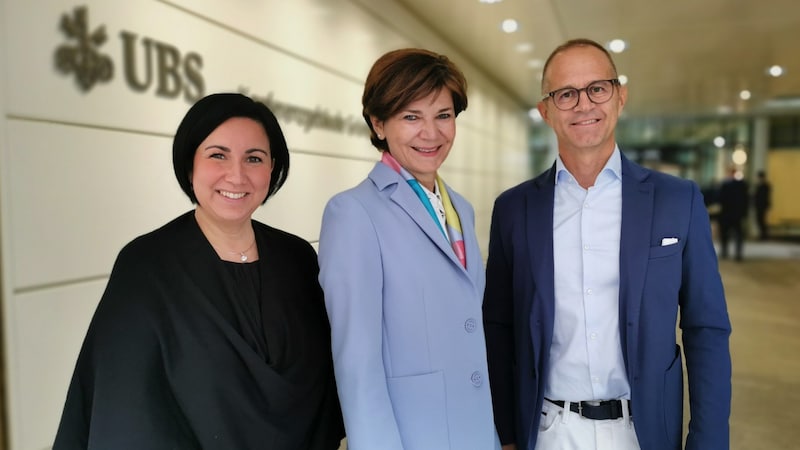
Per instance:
(775,71)
(745,94)
(535,63)
(617,45)
(524,47)
(509,25)
(490,1)
(739,156)
(623,79)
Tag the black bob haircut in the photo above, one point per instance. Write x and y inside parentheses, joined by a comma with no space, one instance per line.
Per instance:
(210,112)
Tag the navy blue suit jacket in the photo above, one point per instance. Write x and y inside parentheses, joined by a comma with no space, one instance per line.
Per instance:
(657,283)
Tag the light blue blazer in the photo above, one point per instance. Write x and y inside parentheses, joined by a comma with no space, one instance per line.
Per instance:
(407,331)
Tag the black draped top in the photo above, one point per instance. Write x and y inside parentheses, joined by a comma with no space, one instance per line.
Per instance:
(186,351)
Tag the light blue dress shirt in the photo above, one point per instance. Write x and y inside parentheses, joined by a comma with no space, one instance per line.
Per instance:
(586,360)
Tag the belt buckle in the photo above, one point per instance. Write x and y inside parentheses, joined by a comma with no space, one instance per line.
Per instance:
(580,409)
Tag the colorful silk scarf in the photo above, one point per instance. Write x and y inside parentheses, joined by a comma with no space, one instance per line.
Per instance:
(452,222)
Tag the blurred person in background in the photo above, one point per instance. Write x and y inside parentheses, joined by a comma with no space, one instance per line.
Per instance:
(211,332)
(734,200)
(403,274)
(762,201)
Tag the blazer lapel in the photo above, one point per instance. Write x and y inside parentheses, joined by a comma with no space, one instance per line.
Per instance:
(634,251)
(539,239)
(404,197)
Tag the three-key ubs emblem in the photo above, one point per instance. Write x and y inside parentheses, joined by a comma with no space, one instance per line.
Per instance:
(81,56)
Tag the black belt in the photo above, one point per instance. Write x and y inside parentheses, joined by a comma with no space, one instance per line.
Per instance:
(605,410)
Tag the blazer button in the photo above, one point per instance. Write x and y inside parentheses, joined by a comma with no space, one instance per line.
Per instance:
(476,379)
(471,325)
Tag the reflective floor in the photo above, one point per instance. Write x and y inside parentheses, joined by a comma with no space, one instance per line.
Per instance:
(763,293)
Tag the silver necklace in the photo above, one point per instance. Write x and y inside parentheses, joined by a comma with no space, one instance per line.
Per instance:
(241,254)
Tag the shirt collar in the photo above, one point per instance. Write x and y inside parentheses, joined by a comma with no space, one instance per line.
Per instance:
(613,166)
(434,192)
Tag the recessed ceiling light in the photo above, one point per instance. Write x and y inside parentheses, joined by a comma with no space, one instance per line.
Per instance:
(719,142)
(775,71)
(617,45)
(490,1)
(535,63)
(739,156)
(623,79)
(509,25)
(744,94)
(524,47)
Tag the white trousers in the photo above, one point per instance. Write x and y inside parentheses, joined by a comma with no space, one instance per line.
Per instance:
(562,429)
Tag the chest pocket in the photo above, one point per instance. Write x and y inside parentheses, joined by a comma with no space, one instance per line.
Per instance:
(663,251)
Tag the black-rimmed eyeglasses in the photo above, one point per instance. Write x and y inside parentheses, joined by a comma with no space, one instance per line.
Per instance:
(599,91)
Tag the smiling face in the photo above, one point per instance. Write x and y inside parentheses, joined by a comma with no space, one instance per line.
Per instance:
(588,126)
(420,135)
(232,170)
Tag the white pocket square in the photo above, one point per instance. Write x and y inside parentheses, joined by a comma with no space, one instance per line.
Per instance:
(669,241)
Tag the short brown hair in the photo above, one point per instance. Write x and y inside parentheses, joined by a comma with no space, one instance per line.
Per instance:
(403,76)
(580,42)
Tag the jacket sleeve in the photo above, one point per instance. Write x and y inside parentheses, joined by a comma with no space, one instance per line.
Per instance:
(706,330)
(498,318)
(351,276)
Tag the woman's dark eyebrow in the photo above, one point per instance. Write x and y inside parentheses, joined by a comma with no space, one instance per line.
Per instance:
(226,149)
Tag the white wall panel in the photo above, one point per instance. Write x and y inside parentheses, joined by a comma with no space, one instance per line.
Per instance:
(78,195)
(47,335)
(338,34)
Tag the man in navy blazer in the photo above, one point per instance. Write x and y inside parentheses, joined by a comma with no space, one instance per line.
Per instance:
(590,265)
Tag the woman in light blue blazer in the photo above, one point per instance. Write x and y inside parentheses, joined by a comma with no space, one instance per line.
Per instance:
(403,275)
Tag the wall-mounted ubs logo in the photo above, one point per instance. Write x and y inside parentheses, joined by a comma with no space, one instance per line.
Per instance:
(83,58)
(173,73)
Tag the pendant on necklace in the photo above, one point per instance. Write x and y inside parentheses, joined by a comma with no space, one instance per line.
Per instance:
(244,257)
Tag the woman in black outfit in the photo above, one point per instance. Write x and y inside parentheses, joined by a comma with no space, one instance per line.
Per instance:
(212,331)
